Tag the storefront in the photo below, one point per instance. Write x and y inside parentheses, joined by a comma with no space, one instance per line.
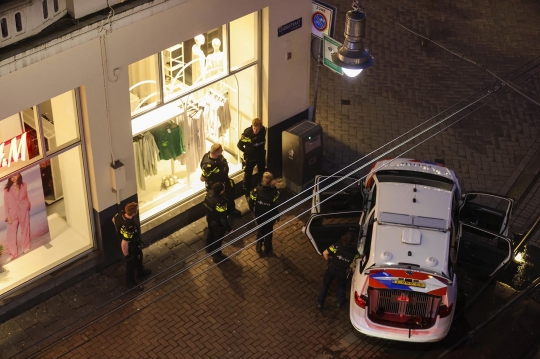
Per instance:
(198,92)
(153,87)
(44,205)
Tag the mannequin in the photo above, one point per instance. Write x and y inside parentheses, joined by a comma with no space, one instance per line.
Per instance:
(215,61)
(198,68)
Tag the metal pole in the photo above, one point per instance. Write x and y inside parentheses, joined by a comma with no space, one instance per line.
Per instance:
(314,118)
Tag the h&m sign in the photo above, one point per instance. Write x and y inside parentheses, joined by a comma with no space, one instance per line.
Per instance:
(16,150)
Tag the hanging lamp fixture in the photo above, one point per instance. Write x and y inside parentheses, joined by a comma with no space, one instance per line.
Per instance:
(352,56)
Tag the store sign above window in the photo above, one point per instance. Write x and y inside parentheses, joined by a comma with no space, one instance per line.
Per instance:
(288,27)
(17,150)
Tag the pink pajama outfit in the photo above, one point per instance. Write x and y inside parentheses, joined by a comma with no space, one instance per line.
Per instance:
(17,207)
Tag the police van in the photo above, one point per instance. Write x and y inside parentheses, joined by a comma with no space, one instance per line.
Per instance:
(414,226)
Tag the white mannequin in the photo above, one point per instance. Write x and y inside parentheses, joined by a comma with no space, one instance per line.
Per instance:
(198,67)
(216,60)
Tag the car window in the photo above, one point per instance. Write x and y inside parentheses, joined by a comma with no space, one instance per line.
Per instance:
(412,177)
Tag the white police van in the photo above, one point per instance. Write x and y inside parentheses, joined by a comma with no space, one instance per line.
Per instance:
(413,225)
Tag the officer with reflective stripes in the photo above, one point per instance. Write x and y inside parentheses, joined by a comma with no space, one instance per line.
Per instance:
(252,144)
(262,202)
(128,231)
(215,168)
(342,255)
(215,206)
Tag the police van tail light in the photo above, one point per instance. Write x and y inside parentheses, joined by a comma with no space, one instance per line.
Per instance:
(445,310)
(360,300)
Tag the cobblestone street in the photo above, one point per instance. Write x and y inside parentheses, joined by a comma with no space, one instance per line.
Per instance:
(264,307)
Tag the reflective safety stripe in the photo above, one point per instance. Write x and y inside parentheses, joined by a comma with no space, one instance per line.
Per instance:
(125,234)
(206,174)
(276,197)
(332,249)
(246,139)
(253,197)
(220,208)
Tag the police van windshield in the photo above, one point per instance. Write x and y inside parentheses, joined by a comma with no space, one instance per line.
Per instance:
(412,177)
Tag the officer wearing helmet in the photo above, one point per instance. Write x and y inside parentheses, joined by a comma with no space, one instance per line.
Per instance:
(128,231)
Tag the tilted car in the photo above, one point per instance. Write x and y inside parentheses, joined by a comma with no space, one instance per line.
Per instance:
(413,226)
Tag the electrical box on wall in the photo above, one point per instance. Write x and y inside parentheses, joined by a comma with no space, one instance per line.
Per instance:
(118,175)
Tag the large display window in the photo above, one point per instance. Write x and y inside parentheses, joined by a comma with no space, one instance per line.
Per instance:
(44,202)
(205,102)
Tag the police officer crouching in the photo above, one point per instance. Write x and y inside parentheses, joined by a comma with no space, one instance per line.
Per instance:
(252,144)
(128,231)
(215,205)
(215,168)
(343,253)
(262,202)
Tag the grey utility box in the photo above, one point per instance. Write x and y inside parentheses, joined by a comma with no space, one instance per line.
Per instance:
(301,153)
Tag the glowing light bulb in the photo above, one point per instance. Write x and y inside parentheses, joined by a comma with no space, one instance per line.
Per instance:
(351,72)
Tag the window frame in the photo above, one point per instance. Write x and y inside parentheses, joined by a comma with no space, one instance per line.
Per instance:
(227,73)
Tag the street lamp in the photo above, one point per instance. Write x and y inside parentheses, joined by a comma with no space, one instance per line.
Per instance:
(352,56)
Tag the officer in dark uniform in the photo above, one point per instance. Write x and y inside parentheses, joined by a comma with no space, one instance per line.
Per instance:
(342,255)
(262,202)
(128,231)
(215,205)
(215,168)
(252,144)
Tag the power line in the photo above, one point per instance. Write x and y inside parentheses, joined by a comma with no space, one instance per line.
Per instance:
(249,245)
(455,53)
(290,208)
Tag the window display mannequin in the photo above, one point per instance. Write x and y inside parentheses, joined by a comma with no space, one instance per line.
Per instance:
(198,67)
(215,62)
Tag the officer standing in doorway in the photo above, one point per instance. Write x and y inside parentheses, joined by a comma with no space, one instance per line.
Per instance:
(252,144)
(262,202)
(215,168)
(128,231)
(215,205)
(342,253)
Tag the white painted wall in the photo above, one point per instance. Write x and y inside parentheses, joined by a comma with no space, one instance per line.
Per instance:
(64,66)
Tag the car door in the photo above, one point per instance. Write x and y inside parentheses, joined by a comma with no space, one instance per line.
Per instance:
(483,225)
(342,196)
(326,229)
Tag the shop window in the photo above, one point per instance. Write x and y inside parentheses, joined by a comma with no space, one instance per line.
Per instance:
(20,141)
(45,205)
(45,9)
(244,40)
(194,62)
(169,145)
(143,85)
(55,5)
(3,25)
(18,22)
(60,121)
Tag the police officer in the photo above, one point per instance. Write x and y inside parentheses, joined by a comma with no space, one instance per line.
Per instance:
(262,202)
(252,144)
(215,168)
(342,255)
(128,231)
(215,205)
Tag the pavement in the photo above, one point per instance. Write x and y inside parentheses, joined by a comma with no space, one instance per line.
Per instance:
(264,307)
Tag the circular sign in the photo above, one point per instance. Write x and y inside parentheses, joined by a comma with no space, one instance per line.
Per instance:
(319,21)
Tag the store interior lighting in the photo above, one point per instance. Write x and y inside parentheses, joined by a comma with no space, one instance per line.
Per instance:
(352,56)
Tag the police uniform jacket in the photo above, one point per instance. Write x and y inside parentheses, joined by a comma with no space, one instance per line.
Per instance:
(253,144)
(126,228)
(342,256)
(214,169)
(215,206)
(263,200)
